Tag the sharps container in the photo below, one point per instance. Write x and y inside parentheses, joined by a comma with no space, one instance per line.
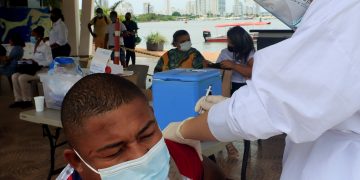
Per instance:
(176,92)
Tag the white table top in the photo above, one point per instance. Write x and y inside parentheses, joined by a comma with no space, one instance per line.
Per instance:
(48,116)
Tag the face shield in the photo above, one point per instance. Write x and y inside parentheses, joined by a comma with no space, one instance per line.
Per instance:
(289,12)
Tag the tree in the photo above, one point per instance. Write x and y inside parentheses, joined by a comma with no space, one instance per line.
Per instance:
(106,9)
(176,13)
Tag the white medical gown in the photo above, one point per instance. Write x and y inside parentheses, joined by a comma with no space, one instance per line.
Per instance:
(309,88)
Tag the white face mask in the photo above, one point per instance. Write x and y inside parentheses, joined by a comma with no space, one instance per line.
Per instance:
(185,46)
(289,12)
(155,164)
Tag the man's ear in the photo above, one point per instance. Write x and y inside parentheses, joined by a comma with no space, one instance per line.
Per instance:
(71,157)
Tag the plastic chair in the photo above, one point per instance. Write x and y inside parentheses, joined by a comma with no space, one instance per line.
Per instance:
(142,72)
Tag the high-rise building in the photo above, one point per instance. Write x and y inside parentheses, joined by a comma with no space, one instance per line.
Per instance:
(237,9)
(213,7)
(168,7)
(222,7)
(191,7)
(148,8)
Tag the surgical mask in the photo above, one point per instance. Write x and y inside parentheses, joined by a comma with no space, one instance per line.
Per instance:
(289,12)
(185,46)
(99,15)
(155,164)
(33,39)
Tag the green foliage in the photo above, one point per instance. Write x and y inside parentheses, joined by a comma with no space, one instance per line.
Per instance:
(153,17)
(176,13)
(107,10)
(155,38)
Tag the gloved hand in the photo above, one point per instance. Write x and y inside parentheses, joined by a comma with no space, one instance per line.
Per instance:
(206,102)
(172,132)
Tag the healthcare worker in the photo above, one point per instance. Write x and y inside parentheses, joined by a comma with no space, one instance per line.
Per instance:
(307,87)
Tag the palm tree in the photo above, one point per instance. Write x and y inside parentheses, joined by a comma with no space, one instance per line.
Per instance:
(106,9)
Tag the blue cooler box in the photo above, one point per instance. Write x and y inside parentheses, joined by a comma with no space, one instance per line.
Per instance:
(176,92)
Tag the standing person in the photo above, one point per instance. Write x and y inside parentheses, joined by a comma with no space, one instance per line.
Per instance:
(130,38)
(306,87)
(58,35)
(100,23)
(238,57)
(182,56)
(41,58)
(110,34)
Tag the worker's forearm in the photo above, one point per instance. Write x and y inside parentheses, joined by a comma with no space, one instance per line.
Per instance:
(243,70)
(197,128)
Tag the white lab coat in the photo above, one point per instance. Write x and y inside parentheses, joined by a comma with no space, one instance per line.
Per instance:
(309,88)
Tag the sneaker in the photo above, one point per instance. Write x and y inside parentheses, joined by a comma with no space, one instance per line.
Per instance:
(15,104)
(26,104)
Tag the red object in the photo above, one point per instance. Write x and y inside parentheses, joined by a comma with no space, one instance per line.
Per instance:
(256,23)
(108,70)
(117,42)
(220,39)
(186,160)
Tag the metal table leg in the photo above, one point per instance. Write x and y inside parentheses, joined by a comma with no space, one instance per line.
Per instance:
(245,159)
(53,145)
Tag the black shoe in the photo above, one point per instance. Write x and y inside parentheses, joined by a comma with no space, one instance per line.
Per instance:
(26,104)
(16,104)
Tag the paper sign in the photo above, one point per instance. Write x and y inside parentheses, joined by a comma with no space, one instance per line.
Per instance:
(100,60)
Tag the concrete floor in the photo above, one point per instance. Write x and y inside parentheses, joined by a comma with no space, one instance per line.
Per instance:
(25,152)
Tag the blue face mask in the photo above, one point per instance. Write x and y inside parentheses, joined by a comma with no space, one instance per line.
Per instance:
(155,164)
(33,39)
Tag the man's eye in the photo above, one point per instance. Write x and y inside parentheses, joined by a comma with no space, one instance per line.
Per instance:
(147,136)
(118,153)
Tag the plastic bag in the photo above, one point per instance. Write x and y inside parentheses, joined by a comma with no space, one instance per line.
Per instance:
(63,74)
(289,12)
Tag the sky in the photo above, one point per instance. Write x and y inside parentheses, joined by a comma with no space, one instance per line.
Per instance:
(159,5)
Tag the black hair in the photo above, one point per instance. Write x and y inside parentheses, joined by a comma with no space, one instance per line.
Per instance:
(94,95)
(17,40)
(242,42)
(99,10)
(177,34)
(113,13)
(39,31)
(58,13)
(2,50)
(128,13)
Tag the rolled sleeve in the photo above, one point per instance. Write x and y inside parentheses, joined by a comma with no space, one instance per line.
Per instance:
(241,117)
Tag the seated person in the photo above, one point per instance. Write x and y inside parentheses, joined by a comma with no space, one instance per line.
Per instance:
(16,54)
(183,56)
(42,58)
(112,134)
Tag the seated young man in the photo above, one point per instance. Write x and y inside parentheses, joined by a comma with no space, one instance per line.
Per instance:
(112,134)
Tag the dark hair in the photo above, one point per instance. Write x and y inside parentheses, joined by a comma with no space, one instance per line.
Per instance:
(242,42)
(57,12)
(128,13)
(2,50)
(177,34)
(39,31)
(17,40)
(99,10)
(93,95)
(113,13)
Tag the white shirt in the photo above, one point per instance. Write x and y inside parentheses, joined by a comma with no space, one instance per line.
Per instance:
(309,88)
(227,55)
(42,54)
(58,33)
(111,31)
